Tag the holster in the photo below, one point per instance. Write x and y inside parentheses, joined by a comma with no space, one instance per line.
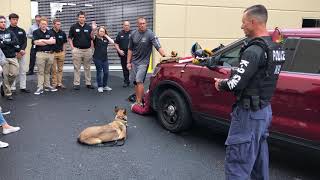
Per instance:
(251,102)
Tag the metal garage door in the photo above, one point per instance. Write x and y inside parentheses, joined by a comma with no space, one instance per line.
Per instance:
(109,13)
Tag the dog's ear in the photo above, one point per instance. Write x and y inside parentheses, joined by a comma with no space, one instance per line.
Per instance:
(116,109)
(125,111)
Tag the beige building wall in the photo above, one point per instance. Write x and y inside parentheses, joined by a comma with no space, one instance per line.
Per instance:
(23,9)
(180,23)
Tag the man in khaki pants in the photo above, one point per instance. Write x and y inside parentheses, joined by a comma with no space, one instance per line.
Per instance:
(80,39)
(59,54)
(9,44)
(44,40)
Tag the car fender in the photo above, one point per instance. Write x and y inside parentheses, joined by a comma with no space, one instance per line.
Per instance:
(166,84)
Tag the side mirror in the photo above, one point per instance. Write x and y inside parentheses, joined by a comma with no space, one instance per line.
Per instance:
(213,62)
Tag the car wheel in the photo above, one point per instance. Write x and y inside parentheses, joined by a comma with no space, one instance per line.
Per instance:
(173,111)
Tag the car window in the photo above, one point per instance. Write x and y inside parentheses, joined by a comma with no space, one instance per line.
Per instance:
(290,45)
(307,56)
(231,57)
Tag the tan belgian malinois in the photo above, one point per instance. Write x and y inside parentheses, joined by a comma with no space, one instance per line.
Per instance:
(112,132)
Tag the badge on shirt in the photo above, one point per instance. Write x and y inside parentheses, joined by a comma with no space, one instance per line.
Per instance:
(86,30)
(7,36)
(60,37)
(20,32)
(144,39)
(48,36)
(77,30)
(121,36)
(105,41)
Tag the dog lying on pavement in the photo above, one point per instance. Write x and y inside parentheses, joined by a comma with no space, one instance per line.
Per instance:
(112,132)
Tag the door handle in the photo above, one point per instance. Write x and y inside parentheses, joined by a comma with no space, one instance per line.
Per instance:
(222,71)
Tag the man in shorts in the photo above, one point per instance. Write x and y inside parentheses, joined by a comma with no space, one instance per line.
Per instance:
(139,51)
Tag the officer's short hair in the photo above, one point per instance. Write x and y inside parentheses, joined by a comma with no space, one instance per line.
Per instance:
(44,19)
(2,17)
(141,18)
(13,15)
(56,20)
(258,11)
(37,16)
(81,13)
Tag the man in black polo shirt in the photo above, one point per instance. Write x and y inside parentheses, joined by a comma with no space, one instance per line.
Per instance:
(33,52)
(9,45)
(59,54)
(121,44)
(22,38)
(44,40)
(80,39)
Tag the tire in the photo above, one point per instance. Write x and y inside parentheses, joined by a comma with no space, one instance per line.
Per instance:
(173,111)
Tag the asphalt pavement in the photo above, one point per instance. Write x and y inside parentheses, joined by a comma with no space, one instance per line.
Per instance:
(46,147)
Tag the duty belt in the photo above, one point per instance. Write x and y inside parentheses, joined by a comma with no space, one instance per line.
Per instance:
(253,103)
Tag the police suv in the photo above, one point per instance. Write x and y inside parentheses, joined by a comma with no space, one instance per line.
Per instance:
(181,93)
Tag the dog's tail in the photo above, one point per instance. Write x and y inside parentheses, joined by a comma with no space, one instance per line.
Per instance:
(80,142)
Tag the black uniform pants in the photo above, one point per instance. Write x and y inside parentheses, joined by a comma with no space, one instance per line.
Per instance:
(32,59)
(124,68)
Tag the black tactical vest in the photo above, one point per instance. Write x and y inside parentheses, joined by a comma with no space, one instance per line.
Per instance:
(262,85)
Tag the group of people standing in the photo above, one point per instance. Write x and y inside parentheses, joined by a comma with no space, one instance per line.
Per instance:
(87,42)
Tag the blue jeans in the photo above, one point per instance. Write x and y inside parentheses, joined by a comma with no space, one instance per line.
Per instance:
(102,66)
(247,148)
(2,120)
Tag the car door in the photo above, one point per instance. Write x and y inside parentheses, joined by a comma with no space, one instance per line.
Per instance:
(296,103)
(213,103)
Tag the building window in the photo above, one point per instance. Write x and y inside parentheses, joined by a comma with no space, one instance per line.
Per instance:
(310,23)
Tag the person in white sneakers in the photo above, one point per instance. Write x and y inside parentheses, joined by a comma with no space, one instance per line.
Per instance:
(101,40)
(6,129)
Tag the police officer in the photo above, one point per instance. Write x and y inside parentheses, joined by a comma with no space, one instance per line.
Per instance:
(121,44)
(80,39)
(253,83)
(34,27)
(22,37)
(9,44)
(44,40)
(59,54)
